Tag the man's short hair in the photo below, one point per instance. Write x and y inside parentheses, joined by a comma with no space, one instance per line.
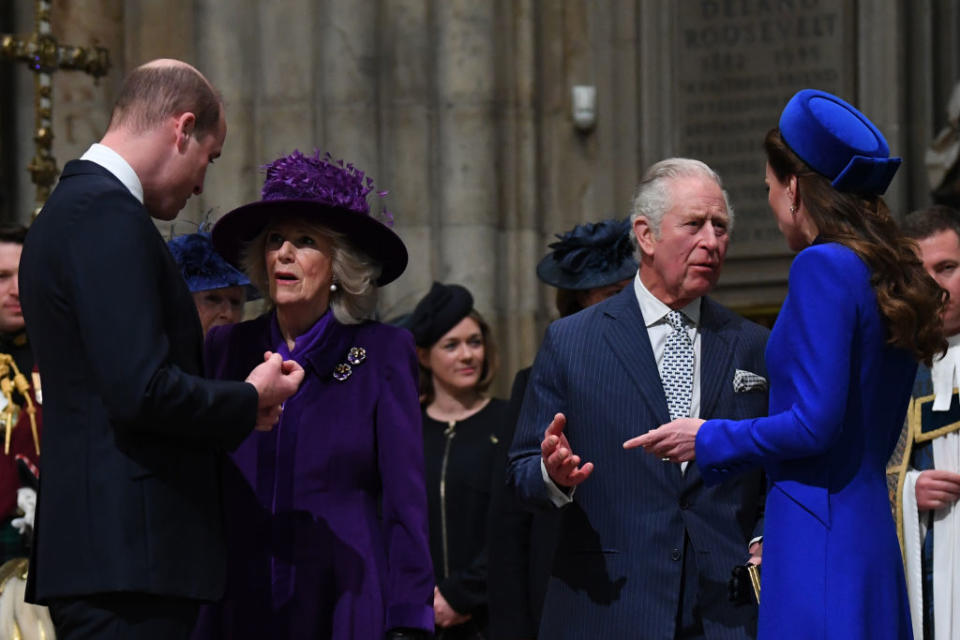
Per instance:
(926,222)
(153,93)
(13,233)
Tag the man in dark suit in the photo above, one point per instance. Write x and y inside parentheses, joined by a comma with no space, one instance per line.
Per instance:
(644,549)
(128,532)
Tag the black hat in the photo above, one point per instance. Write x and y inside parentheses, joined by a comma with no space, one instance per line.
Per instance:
(590,256)
(324,192)
(438,312)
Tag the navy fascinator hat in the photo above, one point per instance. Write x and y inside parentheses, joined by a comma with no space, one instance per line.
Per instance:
(838,142)
(590,256)
(438,312)
(203,268)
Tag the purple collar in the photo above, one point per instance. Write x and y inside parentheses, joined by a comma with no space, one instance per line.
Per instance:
(304,343)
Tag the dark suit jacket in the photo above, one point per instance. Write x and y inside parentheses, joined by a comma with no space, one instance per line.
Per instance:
(129,497)
(620,560)
(520,545)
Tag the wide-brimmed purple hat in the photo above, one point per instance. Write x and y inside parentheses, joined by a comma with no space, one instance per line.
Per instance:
(323,192)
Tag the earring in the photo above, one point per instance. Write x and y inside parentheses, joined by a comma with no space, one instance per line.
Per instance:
(793,209)
(333,287)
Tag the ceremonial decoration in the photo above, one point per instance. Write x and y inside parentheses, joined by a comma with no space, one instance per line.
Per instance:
(45,55)
(11,379)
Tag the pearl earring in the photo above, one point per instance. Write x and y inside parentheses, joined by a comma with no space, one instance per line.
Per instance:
(793,209)
(333,287)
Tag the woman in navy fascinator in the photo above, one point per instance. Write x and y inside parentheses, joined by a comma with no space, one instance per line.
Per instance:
(842,356)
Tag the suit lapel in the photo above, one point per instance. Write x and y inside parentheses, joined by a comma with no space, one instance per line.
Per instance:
(626,334)
(716,347)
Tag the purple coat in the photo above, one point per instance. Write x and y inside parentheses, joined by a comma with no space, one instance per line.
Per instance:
(326,515)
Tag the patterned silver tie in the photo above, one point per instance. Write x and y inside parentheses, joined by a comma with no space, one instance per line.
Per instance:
(676,371)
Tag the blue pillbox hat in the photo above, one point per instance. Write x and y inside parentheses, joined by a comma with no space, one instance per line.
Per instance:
(838,142)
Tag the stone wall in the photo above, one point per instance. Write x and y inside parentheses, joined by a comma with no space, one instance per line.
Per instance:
(462,110)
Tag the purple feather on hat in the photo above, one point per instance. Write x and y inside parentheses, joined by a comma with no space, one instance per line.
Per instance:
(300,177)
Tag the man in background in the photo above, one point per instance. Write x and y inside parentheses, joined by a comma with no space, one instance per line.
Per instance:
(14,342)
(929,475)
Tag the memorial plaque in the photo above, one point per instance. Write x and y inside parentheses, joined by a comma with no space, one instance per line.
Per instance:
(737,64)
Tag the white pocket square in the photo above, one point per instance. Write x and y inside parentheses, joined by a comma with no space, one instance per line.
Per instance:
(748,381)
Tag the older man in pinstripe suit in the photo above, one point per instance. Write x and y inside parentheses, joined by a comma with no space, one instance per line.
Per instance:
(645,550)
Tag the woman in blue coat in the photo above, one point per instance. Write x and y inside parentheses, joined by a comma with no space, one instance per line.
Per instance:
(859,314)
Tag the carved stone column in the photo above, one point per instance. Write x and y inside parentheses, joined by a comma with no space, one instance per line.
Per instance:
(408,137)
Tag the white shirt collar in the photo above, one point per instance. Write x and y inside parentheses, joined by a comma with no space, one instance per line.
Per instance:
(114,163)
(655,311)
(944,376)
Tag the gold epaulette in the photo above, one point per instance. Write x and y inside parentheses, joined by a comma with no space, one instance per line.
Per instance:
(13,568)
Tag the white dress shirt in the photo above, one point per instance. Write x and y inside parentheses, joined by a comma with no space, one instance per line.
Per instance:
(114,163)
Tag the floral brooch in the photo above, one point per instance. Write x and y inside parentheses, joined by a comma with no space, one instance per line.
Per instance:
(355,356)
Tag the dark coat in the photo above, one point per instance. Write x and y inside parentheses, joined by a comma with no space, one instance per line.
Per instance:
(461,461)
(620,563)
(520,544)
(129,496)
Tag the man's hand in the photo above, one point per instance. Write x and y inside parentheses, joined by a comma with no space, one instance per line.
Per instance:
(756,553)
(275,380)
(443,614)
(675,441)
(268,417)
(558,458)
(937,489)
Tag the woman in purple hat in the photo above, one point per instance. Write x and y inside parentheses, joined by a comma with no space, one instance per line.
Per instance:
(842,356)
(326,514)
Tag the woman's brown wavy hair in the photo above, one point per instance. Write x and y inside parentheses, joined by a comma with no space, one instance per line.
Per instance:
(909,299)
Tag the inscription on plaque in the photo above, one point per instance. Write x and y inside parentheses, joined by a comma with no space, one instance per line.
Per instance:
(738,62)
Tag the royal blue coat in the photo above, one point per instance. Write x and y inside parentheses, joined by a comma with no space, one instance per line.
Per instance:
(832,567)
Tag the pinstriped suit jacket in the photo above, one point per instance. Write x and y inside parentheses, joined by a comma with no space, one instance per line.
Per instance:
(618,564)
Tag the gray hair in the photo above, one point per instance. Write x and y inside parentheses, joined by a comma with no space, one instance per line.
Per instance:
(651,200)
(355,299)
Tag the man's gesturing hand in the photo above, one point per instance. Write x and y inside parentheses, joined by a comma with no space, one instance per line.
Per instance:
(562,465)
